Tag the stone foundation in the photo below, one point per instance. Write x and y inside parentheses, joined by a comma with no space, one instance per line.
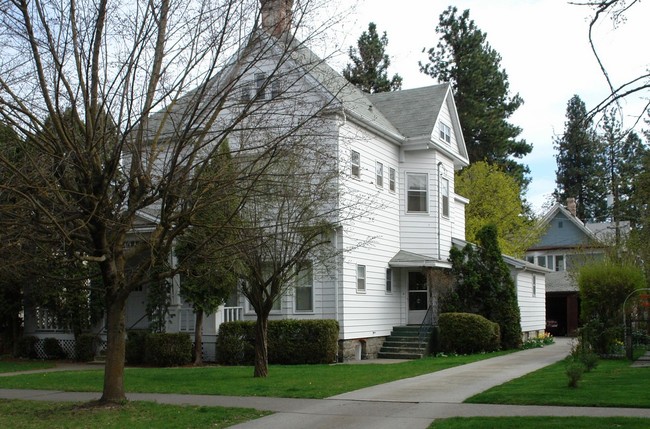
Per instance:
(525,336)
(359,349)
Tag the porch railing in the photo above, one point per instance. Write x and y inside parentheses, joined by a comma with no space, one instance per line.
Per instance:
(425,327)
(233,314)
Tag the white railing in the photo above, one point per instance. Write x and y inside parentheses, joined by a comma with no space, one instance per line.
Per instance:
(232,314)
(45,321)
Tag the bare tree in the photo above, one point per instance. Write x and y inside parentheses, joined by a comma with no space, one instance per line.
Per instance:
(614,10)
(153,88)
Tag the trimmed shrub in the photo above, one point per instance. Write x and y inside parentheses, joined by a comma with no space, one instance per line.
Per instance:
(290,342)
(27,347)
(236,343)
(467,333)
(163,349)
(84,347)
(135,347)
(53,349)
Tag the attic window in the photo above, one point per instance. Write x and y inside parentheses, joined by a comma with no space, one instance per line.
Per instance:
(445,132)
(260,81)
(560,224)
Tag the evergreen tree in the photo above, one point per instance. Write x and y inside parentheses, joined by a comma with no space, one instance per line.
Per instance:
(464,58)
(484,286)
(579,158)
(369,68)
(208,274)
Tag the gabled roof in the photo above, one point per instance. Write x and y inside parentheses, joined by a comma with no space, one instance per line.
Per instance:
(559,208)
(515,263)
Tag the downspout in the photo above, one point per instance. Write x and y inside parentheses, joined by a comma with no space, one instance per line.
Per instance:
(438,209)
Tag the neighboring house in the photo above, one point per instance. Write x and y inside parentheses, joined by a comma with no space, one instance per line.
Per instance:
(400,148)
(567,244)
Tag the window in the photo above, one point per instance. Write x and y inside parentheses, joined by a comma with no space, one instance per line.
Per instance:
(379,173)
(389,280)
(260,82)
(445,132)
(530,259)
(445,197)
(361,278)
(246,92)
(534,285)
(391,179)
(304,287)
(416,184)
(355,162)
(560,224)
(559,262)
(276,89)
(541,261)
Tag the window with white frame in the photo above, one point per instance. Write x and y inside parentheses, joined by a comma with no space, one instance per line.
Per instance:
(355,164)
(391,179)
(559,262)
(444,192)
(541,261)
(260,82)
(304,288)
(379,174)
(389,280)
(416,193)
(445,132)
(361,278)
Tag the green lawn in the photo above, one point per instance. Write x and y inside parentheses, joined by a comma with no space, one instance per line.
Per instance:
(614,383)
(295,381)
(134,415)
(540,423)
(12,365)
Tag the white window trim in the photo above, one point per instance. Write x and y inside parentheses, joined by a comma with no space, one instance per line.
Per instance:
(444,132)
(379,174)
(364,278)
(389,281)
(295,298)
(426,192)
(392,179)
(353,165)
(444,197)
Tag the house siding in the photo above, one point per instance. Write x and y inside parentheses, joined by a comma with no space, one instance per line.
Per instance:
(532,306)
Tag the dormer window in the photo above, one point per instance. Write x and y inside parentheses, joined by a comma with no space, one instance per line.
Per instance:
(445,132)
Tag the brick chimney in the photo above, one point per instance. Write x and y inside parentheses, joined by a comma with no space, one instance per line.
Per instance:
(571,206)
(276,16)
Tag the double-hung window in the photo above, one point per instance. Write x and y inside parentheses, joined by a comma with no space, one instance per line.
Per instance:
(445,132)
(361,278)
(416,193)
(379,173)
(304,287)
(391,179)
(260,82)
(444,191)
(355,164)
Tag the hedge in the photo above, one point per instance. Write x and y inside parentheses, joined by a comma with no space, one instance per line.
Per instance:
(466,333)
(135,347)
(84,347)
(27,347)
(53,349)
(290,342)
(162,349)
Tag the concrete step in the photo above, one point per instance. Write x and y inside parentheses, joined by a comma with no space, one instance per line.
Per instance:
(382,355)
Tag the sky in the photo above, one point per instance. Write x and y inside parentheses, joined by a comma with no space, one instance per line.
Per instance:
(544,50)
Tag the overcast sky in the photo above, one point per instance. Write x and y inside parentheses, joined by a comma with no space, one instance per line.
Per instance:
(544,49)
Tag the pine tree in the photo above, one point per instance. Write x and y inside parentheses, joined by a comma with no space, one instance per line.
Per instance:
(464,58)
(369,71)
(579,158)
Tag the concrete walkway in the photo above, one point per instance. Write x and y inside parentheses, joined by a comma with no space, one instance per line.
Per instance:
(411,403)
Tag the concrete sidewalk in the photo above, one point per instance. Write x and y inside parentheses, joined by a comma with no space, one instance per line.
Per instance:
(411,403)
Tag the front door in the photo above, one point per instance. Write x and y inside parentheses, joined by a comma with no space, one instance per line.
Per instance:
(418,299)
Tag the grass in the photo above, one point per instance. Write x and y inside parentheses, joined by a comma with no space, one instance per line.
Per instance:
(614,383)
(540,423)
(134,415)
(295,381)
(13,365)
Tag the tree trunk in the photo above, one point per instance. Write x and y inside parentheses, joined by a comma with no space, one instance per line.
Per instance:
(198,338)
(261,347)
(115,347)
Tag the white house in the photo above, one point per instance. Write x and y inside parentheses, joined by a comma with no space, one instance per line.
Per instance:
(399,149)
